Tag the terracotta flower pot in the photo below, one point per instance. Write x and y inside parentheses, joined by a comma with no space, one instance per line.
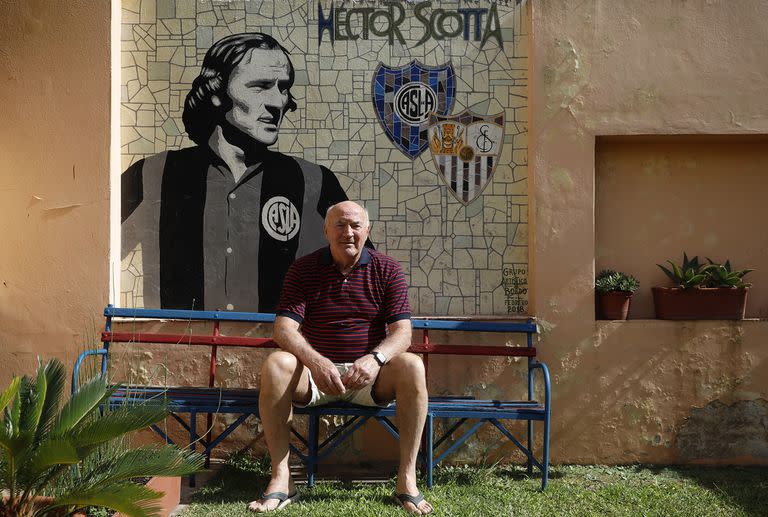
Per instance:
(613,305)
(171,488)
(699,303)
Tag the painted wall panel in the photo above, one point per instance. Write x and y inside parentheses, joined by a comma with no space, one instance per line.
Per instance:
(447,195)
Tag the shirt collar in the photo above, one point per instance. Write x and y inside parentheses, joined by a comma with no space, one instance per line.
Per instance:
(325,257)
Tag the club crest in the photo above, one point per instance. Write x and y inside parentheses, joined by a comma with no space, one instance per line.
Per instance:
(466,149)
(405,97)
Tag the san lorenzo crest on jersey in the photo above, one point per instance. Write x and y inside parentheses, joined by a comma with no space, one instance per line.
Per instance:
(405,97)
(466,149)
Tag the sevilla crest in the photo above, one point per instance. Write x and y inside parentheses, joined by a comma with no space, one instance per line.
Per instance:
(466,149)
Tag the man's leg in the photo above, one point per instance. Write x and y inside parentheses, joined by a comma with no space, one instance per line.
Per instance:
(403,379)
(283,380)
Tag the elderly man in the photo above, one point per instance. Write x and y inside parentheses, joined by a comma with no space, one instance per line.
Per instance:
(218,224)
(343,325)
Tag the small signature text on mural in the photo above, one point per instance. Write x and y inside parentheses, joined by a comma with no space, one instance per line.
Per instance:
(514,280)
(361,22)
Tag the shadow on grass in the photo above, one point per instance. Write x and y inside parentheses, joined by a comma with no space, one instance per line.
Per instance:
(468,475)
(745,487)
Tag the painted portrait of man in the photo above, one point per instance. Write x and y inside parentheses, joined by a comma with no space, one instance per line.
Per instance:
(220,222)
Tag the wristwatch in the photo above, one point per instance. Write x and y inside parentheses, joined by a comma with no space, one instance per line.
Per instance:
(380,358)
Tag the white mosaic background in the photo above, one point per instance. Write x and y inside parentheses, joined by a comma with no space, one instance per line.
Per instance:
(460,261)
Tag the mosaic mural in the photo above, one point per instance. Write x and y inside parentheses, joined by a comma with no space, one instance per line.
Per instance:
(418,110)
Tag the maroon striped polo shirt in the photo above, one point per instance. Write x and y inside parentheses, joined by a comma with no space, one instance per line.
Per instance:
(344,318)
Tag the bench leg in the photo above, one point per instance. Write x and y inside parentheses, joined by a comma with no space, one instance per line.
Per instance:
(192,440)
(313,438)
(530,445)
(545,446)
(429,449)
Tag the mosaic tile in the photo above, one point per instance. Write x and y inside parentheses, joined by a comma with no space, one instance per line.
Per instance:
(455,255)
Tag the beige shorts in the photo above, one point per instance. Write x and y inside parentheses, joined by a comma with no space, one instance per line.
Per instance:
(361,397)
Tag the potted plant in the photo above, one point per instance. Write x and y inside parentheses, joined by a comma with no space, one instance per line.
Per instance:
(55,452)
(710,291)
(614,293)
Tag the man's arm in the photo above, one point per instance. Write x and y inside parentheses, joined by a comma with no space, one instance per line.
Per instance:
(286,334)
(364,371)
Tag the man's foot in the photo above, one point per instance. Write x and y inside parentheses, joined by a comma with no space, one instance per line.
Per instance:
(274,498)
(415,504)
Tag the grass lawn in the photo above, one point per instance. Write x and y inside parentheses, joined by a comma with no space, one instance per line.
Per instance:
(507,490)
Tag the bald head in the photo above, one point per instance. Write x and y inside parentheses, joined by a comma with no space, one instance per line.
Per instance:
(346,227)
(349,206)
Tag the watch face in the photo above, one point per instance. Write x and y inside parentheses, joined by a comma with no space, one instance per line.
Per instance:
(380,358)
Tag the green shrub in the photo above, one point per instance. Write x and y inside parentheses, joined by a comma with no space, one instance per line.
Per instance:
(691,273)
(53,451)
(721,275)
(609,281)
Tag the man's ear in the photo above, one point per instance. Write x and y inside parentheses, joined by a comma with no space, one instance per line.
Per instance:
(216,101)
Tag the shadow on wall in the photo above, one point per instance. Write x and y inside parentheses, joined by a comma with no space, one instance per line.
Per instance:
(719,433)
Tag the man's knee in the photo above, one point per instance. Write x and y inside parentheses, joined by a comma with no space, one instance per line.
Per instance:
(409,367)
(279,365)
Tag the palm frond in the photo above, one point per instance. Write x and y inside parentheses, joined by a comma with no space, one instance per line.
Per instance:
(57,451)
(117,423)
(127,498)
(14,414)
(147,461)
(81,404)
(55,375)
(16,445)
(9,393)
(32,403)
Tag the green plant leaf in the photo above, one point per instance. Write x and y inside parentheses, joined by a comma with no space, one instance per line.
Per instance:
(81,404)
(35,402)
(669,273)
(55,375)
(117,423)
(147,461)
(58,451)
(9,393)
(15,410)
(16,445)
(676,270)
(127,498)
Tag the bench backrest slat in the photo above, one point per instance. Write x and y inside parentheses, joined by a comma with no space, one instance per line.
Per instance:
(424,347)
(186,339)
(418,323)
(417,348)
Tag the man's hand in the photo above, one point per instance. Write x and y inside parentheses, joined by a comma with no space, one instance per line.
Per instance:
(362,373)
(326,376)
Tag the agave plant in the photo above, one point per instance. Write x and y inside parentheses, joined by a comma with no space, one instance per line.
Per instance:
(688,274)
(42,444)
(609,281)
(721,275)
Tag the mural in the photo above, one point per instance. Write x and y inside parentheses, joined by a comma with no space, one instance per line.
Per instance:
(242,121)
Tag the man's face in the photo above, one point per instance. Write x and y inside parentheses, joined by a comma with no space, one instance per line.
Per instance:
(346,229)
(258,88)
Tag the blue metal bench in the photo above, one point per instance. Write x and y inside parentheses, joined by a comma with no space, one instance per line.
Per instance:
(192,401)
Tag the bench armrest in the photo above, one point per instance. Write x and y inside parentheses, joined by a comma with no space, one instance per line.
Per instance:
(79,361)
(536,365)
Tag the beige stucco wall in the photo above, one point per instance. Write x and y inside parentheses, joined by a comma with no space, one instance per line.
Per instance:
(54,177)
(623,392)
